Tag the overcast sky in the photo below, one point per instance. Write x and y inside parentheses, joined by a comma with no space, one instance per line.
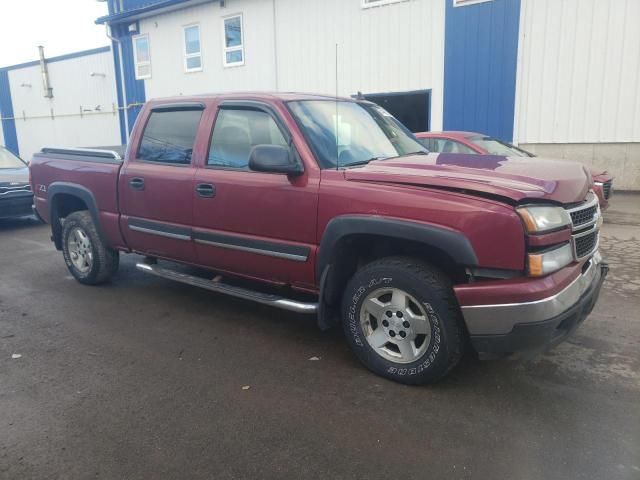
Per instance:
(62,26)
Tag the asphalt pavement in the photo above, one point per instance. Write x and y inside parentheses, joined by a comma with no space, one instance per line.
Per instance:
(148,379)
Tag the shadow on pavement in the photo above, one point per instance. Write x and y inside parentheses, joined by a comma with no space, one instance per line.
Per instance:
(19,223)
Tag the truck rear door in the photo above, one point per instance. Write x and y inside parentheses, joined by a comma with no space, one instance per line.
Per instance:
(156,185)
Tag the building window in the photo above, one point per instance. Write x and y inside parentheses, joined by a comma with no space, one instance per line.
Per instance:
(462,3)
(192,53)
(233,41)
(378,3)
(142,56)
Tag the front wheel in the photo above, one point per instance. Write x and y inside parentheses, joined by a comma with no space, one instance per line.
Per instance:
(88,259)
(402,321)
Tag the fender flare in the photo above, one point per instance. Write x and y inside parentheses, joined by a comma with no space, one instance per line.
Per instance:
(452,242)
(78,191)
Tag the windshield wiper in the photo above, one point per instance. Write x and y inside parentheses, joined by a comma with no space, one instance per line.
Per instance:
(419,152)
(363,162)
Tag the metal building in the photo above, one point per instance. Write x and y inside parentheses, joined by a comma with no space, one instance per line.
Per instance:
(65,100)
(557,77)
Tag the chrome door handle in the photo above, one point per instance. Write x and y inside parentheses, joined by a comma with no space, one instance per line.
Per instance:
(137,183)
(206,190)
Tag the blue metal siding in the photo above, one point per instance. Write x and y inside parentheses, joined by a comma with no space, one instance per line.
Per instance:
(134,8)
(134,89)
(118,80)
(480,62)
(6,110)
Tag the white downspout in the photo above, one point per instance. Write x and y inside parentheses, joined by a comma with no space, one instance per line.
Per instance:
(122,84)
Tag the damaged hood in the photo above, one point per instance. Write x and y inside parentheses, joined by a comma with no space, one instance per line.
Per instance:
(516,178)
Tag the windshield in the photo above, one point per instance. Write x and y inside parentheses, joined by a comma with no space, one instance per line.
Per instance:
(9,160)
(349,133)
(496,147)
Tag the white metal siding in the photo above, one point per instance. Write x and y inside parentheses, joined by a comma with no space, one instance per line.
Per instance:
(578,72)
(393,48)
(73,89)
(1,135)
(168,77)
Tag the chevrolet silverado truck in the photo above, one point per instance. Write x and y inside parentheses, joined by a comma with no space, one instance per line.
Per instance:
(329,206)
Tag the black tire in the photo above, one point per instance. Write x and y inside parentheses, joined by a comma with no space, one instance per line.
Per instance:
(104,259)
(432,289)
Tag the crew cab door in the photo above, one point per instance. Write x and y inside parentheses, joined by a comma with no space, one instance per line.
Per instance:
(256,224)
(156,184)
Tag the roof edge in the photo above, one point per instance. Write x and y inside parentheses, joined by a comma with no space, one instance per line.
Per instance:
(59,58)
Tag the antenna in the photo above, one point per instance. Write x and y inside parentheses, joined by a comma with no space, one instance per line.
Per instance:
(337,124)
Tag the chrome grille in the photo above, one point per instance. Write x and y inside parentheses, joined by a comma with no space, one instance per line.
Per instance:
(584,244)
(14,188)
(585,227)
(584,216)
(606,189)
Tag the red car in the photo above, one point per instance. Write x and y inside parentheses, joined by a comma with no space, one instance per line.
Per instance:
(477,143)
(345,216)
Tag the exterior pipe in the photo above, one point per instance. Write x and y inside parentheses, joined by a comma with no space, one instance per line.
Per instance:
(48,91)
(122,83)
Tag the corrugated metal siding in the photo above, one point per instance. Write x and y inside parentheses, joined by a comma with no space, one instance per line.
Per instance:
(166,42)
(578,71)
(134,89)
(73,89)
(9,138)
(480,67)
(393,48)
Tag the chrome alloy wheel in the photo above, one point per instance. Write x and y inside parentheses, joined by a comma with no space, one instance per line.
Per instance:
(395,325)
(80,250)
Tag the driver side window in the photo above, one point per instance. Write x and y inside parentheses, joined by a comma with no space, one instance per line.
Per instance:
(236,132)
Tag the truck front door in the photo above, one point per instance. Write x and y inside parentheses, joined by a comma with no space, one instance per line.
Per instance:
(256,224)
(156,185)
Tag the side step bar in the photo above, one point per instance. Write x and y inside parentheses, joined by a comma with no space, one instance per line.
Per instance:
(239,292)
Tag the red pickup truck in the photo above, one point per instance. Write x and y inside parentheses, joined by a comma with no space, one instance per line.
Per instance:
(331,207)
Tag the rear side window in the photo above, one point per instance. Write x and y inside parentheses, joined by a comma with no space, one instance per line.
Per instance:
(169,136)
(236,132)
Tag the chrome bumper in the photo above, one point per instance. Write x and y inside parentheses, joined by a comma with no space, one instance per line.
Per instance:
(501,319)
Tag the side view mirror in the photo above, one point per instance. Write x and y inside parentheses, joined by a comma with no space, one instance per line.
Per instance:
(274,159)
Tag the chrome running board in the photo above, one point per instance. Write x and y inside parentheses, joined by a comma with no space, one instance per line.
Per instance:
(239,292)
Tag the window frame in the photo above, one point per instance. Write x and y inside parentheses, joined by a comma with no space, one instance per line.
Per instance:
(136,62)
(168,107)
(226,49)
(255,106)
(186,55)
(378,3)
(464,3)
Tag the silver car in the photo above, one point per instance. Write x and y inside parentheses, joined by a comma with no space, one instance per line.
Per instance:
(16,197)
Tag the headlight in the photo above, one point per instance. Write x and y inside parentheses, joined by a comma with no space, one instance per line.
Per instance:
(540,219)
(544,263)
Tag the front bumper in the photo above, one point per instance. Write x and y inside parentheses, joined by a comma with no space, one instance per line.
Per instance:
(16,206)
(540,324)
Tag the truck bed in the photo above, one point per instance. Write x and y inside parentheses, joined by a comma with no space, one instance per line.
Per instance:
(112,154)
(94,170)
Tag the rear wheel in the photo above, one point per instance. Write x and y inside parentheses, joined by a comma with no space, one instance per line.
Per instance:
(88,259)
(402,321)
